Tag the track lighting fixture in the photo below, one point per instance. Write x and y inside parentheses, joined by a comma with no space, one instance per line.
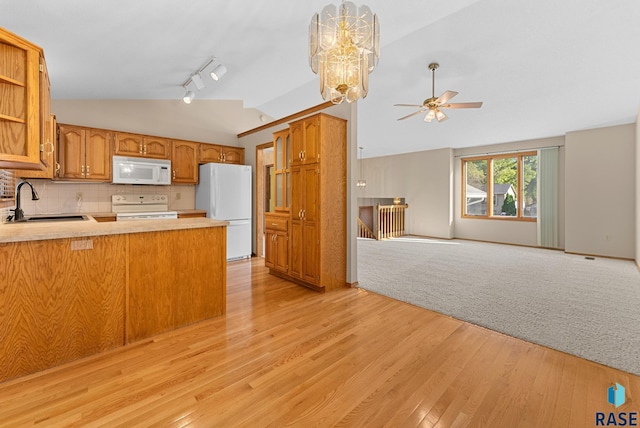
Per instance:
(197,80)
(188,97)
(212,68)
(218,72)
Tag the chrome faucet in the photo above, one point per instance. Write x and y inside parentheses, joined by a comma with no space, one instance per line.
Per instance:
(18,213)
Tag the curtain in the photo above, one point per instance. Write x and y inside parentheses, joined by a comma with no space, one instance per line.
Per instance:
(548,197)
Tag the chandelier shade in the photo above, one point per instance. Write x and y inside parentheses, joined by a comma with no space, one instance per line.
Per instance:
(344,47)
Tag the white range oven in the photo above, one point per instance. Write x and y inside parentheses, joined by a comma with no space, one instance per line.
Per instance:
(141,207)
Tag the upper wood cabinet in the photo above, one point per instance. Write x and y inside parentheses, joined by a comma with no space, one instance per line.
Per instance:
(282,156)
(84,153)
(184,162)
(220,154)
(155,147)
(24,103)
(305,141)
(233,155)
(142,146)
(48,156)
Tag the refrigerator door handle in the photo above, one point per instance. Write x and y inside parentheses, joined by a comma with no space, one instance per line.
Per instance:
(215,184)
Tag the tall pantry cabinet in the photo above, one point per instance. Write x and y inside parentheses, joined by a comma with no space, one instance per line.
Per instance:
(317,213)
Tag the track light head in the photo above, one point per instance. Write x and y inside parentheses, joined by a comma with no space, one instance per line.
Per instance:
(218,72)
(188,97)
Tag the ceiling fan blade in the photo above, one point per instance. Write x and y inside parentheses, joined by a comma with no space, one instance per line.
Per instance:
(446,97)
(463,105)
(412,114)
(409,105)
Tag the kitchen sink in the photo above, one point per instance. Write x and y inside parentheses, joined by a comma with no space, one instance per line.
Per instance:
(60,217)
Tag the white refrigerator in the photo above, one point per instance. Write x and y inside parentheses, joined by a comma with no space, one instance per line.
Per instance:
(225,192)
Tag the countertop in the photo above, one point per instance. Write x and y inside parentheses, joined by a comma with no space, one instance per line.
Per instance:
(18,232)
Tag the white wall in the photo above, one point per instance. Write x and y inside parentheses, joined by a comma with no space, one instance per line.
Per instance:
(637,181)
(497,230)
(600,191)
(424,179)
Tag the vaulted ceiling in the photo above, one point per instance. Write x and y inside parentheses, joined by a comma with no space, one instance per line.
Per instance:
(541,68)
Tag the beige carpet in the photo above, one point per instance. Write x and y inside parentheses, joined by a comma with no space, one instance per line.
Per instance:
(588,308)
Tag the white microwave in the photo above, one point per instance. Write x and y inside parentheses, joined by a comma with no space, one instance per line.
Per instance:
(128,170)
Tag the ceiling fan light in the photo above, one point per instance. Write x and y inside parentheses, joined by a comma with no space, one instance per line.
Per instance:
(430,116)
(440,115)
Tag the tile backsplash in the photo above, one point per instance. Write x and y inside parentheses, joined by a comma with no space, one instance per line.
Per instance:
(71,197)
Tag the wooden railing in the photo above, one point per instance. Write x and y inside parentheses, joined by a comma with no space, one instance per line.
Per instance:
(390,221)
(381,221)
(364,231)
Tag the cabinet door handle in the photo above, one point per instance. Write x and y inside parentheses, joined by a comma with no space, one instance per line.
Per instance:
(304,214)
(300,155)
(274,224)
(304,154)
(300,214)
(82,170)
(88,170)
(140,148)
(174,174)
(50,145)
(144,149)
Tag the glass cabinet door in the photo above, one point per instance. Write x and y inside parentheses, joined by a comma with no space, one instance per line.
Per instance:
(279,152)
(281,167)
(279,190)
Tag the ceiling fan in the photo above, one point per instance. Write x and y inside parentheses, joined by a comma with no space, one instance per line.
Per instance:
(434,105)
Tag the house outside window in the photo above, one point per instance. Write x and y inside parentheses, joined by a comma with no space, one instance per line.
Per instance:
(509,181)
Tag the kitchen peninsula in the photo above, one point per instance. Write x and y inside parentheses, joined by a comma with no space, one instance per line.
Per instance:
(73,289)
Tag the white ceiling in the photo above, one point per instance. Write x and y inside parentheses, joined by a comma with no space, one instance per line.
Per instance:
(541,68)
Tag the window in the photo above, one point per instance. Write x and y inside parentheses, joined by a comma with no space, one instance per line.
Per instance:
(508,181)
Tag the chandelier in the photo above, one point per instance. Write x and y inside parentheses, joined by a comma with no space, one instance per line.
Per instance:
(362,183)
(344,48)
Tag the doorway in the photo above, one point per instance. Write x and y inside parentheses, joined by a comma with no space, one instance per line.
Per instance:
(264,183)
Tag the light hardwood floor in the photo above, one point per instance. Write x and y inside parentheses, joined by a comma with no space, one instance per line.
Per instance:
(287,356)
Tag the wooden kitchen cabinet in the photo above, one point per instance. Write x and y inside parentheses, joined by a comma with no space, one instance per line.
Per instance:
(305,182)
(305,141)
(184,162)
(233,155)
(84,153)
(318,210)
(48,133)
(24,103)
(276,241)
(163,297)
(62,299)
(48,156)
(141,146)
(282,171)
(220,154)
